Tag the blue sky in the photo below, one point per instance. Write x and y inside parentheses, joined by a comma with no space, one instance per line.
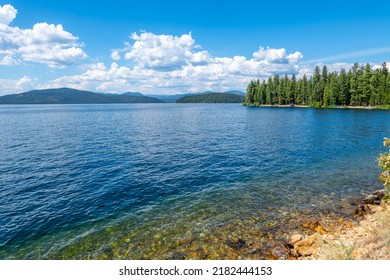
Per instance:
(173,47)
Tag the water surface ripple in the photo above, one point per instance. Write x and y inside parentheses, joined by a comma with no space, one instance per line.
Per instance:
(163,180)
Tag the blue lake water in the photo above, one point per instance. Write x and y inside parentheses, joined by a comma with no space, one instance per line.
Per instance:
(155,181)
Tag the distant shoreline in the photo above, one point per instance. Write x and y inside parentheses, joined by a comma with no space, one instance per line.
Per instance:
(329,107)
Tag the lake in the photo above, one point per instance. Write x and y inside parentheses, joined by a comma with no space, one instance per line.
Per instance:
(177,181)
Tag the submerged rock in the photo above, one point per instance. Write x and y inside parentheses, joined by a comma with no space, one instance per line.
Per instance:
(309,245)
(280,252)
(236,245)
(177,255)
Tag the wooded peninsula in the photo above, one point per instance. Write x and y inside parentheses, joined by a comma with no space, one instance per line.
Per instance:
(214,97)
(359,86)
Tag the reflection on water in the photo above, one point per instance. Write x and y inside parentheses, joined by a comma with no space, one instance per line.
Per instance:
(161,181)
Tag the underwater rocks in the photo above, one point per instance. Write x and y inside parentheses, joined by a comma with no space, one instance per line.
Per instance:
(236,245)
(280,252)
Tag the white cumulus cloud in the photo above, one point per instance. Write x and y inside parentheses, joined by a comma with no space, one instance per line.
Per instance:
(44,43)
(10,86)
(98,77)
(173,64)
(115,55)
(7,14)
(164,52)
(8,61)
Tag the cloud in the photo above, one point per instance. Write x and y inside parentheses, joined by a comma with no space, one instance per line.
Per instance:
(44,43)
(115,55)
(153,63)
(9,86)
(8,61)
(193,70)
(7,14)
(98,78)
(171,64)
(164,52)
(276,56)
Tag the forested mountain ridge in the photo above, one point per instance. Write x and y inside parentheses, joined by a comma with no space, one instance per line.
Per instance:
(359,86)
(73,96)
(215,97)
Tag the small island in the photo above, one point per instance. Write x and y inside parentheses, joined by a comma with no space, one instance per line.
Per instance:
(360,86)
(215,97)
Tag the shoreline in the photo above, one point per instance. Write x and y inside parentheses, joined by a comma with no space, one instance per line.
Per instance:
(366,237)
(368,240)
(328,107)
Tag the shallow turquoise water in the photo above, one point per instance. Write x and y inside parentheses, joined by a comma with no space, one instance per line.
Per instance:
(162,180)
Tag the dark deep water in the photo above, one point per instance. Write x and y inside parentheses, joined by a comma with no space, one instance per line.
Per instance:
(175,181)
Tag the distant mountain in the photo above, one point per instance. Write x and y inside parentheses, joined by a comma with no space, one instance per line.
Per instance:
(73,96)
(173,98)
(130,93)
(167,98)
(215,97)
(238,92)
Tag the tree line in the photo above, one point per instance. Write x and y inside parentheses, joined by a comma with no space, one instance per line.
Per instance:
(359,86)
(216,97)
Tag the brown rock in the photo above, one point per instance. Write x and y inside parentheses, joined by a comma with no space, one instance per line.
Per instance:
(309,245)
(362,210)
(375,208)
(320,230)
(294,253)
(294,239)
(280,252)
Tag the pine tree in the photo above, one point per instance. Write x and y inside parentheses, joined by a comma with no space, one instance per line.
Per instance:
(282,90)
(375,88)
(360,86)
(292,90)
(276,85)
(387,97)
(306,90)
(316,88)
(250,93)
(269,91)
(366,86)
(344,94)
(327,96)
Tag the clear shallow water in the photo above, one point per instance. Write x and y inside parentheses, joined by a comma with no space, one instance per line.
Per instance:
(175,181)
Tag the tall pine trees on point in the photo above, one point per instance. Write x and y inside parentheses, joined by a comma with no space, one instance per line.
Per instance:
(359,86)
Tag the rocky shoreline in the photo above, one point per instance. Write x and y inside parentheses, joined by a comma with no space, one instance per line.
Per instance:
(368,239)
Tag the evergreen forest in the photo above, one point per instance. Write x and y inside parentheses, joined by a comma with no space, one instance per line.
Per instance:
(362,85)
(215,97)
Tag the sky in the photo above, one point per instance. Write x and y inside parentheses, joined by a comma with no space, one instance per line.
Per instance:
(171,47)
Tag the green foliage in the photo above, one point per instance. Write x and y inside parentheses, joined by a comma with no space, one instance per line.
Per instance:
(384,163)
(218,97)
(360,86)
